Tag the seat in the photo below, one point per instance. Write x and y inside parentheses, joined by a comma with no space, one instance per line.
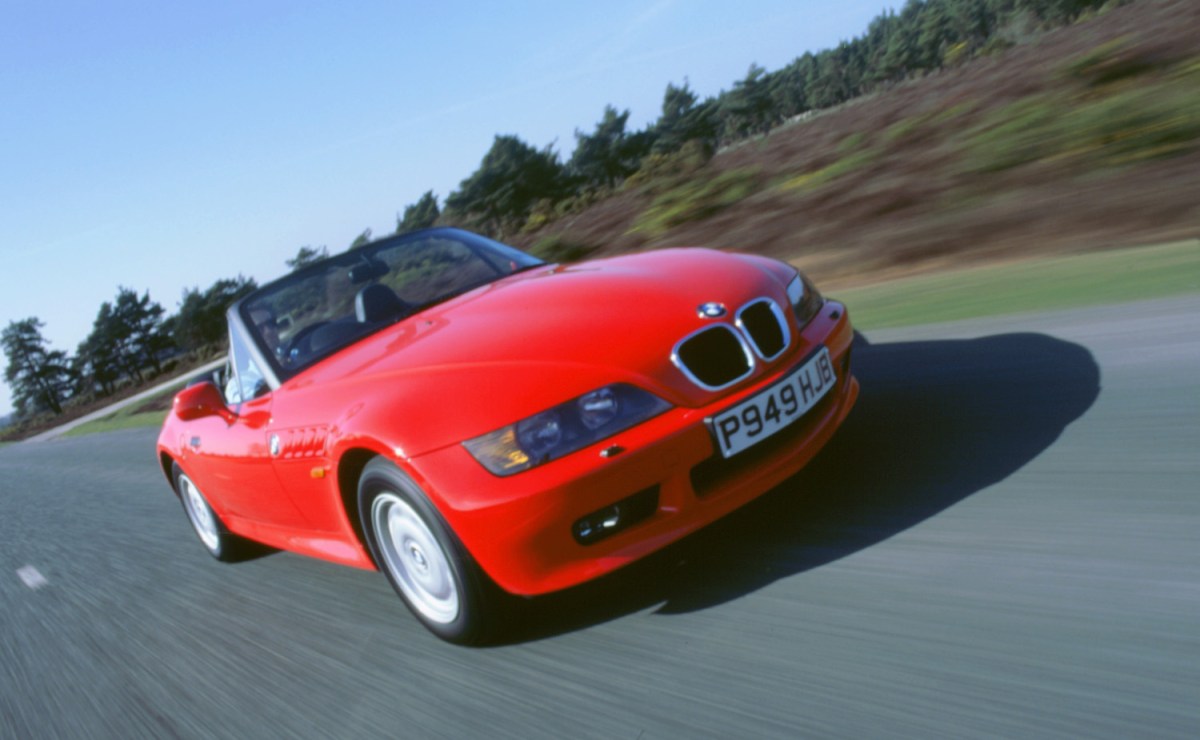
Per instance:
(376,303)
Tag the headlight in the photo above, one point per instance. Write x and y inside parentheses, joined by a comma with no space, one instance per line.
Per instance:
(598,408)
(806,300)
(539,435)
(565,428)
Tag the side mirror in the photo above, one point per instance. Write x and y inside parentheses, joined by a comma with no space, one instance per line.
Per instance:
(201,400)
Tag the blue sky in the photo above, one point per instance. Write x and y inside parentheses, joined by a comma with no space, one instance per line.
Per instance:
(160,145)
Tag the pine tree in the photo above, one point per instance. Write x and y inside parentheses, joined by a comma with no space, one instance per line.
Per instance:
(40,378)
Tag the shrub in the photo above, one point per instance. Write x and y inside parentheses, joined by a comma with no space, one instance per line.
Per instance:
(559,248)
(696,198)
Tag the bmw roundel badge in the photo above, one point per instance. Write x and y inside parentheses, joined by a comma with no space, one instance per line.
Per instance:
(712,310)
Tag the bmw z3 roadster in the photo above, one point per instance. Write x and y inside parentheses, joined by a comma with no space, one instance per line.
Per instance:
(479,424)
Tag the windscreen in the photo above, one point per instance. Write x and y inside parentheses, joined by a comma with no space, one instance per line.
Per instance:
(317,310)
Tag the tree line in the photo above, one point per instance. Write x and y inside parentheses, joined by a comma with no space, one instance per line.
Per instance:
(132,340)
(518,186)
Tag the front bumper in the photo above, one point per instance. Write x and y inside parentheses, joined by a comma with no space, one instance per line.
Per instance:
(519,529)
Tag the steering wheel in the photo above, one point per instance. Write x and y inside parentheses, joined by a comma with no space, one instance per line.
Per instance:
(300,346)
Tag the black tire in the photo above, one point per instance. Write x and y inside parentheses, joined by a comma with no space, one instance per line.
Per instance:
(210,530)
(429,568)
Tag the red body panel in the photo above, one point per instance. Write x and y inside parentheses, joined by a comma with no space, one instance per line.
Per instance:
(416,390)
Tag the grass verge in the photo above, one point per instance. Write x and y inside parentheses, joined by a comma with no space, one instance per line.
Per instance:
(1037,285)
(149,412)
(115,422)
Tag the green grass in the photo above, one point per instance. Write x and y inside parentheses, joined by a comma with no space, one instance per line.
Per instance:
(117,421)
(1038,285)
(134,416)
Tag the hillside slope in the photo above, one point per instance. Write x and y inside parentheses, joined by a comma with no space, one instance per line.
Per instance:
(1087,137)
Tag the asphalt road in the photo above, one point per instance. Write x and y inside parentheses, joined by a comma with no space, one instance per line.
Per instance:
(1001,542)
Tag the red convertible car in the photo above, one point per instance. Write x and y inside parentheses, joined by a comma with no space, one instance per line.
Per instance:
(479,424)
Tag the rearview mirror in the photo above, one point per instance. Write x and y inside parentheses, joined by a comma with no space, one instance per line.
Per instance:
(201,400)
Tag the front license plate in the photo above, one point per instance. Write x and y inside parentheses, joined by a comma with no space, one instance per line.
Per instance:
(768,411)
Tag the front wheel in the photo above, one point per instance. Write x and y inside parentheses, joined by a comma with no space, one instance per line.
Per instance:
(429,568)
(219,541)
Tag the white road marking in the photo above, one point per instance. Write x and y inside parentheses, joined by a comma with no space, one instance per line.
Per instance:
(31,577)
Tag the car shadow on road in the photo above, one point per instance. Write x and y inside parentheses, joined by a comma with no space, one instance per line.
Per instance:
(936,422)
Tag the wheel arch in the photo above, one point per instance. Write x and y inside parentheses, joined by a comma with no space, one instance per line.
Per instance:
(349,469)
(167,463)
(350,465)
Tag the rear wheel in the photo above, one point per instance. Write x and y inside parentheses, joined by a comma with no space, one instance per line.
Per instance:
(219,541)
(422,558)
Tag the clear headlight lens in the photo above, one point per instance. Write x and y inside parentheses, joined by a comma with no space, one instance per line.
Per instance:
(540,434)
(565,428)
(598,408)
(806,300)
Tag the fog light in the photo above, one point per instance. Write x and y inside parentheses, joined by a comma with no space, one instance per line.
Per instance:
(595,526)
(616,517)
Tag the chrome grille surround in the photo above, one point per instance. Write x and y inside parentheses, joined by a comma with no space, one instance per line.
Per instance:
(694,367)
(757,330)
(750,340)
